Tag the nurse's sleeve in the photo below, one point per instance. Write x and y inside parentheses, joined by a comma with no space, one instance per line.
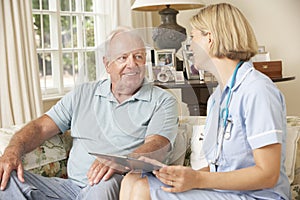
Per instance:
(264,115)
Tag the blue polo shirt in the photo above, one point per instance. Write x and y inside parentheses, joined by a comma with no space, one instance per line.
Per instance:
(100,124)
(258,115)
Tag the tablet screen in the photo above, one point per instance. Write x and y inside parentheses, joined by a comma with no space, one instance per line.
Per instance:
(132,163)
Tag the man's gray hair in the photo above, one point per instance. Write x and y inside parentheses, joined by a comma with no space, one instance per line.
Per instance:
(118,30)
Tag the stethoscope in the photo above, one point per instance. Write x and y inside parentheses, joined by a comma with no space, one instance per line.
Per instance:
(225,131)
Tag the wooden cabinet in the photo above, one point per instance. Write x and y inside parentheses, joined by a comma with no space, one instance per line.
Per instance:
(194,93)
(273,69)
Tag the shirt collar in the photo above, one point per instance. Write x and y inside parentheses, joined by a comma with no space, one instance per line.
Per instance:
(104,90)
(242,72)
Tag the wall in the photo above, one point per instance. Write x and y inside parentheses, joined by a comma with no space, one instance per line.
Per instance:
(277,26)
(48,103)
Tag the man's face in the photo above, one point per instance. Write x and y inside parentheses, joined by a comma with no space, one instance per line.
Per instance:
(126,62)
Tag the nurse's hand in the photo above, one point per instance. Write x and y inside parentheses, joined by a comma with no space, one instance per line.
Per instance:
(180,178)
(103,169)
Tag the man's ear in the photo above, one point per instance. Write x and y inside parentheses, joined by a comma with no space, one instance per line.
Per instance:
(105,62)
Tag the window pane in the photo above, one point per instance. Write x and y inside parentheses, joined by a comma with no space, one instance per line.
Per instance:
(91,65)
(66,32)
(37,30)
(89,28)
(88,5)
(40,61)
(46,27)
(48,64)
(49,75)
(45,68)
(74,27)
(73,5)
(64,5)
(77,39)
(42,71)
(75,58)
(68,69)
(45,5)
(36,4)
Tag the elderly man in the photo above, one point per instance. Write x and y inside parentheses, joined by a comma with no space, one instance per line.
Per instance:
(122,115)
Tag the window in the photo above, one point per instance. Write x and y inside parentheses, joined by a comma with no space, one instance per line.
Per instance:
(67,34)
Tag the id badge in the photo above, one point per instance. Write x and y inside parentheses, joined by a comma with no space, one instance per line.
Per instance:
(227,133)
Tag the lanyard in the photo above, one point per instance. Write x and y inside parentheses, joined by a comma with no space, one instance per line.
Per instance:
(224,114)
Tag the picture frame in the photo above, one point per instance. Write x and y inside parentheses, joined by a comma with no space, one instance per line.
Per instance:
(191,71)
(179,77)
(186,45)
(165,57)
(261,49)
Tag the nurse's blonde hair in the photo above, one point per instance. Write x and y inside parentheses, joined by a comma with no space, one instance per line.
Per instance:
(230,31)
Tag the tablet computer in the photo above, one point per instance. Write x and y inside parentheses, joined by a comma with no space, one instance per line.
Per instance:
(132,163)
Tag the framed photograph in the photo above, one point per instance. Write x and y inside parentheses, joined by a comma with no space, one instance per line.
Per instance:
(261,49)
(165,57)
(179,76)
(186,45)
(191,71)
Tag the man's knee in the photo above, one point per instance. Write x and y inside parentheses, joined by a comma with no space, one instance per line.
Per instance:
(104,190)
(12,190)
(13,180)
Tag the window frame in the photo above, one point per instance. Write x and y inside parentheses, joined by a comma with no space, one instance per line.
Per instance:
(102,26)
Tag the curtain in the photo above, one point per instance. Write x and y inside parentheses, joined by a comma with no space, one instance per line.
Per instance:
(20,94)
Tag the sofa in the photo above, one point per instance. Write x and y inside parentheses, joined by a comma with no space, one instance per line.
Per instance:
(50,159)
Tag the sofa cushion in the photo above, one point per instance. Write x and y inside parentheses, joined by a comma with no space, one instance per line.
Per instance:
(292,163)
(177,155)
(293,134)
(50,151)
(294,127)
(198,159)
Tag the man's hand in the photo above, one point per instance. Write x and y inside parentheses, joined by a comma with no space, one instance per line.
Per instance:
(8,162)
(103,169)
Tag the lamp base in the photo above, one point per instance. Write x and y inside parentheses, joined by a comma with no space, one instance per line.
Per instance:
(169,35)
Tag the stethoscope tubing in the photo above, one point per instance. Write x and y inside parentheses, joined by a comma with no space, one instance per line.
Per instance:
(220,139)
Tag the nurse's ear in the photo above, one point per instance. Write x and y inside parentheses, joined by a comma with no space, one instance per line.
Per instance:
(210,39)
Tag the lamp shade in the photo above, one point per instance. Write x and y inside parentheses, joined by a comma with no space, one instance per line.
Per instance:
(168,35)
(156,5)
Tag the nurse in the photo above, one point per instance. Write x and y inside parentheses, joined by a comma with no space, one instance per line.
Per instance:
(245,129)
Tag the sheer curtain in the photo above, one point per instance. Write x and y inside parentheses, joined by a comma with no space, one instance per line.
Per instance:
(20,95)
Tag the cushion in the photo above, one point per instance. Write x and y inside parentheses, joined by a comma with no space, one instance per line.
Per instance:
(196,160)
(177,155)
(293,123)
(50,151)
(292,137)
(5,136)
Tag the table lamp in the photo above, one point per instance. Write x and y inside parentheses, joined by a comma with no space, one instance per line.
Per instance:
(168,35)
